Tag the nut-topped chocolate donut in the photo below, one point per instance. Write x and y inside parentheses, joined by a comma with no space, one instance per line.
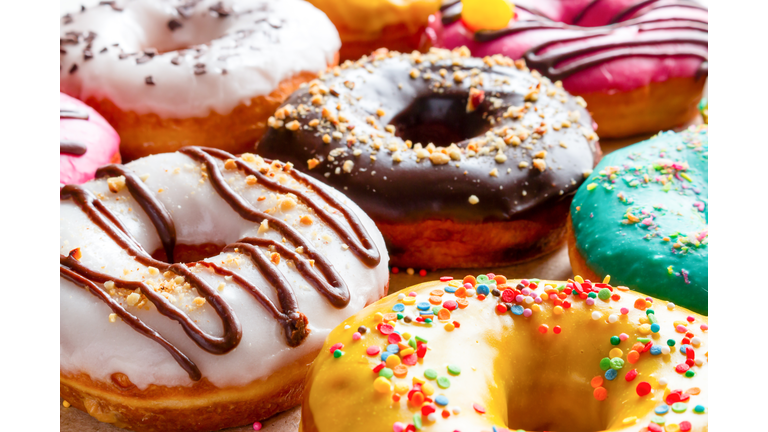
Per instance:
(460,161)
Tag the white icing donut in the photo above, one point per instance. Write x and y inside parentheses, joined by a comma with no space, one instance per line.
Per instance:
(98,344)
(181,59)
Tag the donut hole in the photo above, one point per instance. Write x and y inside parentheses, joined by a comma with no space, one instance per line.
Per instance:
(439,119)
(184,253)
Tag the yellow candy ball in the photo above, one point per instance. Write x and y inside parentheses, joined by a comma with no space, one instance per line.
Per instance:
(558,310)
(487,14)
(382,385)
(401,388)
(428,389)
(614,353)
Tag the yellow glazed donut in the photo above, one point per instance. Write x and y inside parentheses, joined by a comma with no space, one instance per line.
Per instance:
(366,25)
(491,354)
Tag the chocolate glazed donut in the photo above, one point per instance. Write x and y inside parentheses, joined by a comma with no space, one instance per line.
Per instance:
(460,161)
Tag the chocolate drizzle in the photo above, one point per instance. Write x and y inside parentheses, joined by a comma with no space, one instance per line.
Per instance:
(597,45)
(72,147)
(157,213)
(316,269)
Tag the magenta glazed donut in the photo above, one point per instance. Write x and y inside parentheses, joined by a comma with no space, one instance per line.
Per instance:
(641,65)
(87,141)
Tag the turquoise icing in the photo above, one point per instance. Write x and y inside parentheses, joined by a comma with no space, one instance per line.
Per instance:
(642,217)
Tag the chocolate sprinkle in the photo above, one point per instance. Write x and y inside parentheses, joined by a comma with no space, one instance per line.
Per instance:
(174,24)
(148,80)
(73,69)
(199,68)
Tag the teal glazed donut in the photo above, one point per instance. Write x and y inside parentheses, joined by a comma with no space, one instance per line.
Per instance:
(642,218)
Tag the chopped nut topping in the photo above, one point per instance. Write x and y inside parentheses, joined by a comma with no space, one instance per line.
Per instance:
(293,125)
(264,226)
(313,162)
(287,203)
(275,258)
(250,180)
(199,301)
(438,158)
(112,317)
(230,164)
(348,165)
(306,220)
(132,299)
(116,184)
(540,164)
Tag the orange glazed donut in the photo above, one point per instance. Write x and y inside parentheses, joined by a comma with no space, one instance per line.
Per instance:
(490,354)
(367,25)
(170,73)
(196,287)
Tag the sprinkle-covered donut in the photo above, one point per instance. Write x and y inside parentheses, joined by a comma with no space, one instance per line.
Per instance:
(640,64)
(173,73)
(197,287)
(642,217)
(488,353)
(460,161)
(367,25)
(87,141)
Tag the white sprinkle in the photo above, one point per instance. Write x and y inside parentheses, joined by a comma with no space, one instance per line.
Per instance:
(663,382)
(456,410)
(473,199)
(670,306)
(665,349)
(470,293)
(596,315)
(612,318)
(696,341)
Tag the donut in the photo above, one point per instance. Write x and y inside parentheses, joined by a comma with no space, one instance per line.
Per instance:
(87,141)
(488,353)
(170,73)
(367,25)
(197,287)
(641,65)
(642,217)
(460,161)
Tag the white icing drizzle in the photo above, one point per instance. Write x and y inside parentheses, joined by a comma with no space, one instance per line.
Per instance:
(224,59)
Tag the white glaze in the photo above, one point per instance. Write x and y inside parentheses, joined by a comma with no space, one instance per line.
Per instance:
(92,344)
(255,64)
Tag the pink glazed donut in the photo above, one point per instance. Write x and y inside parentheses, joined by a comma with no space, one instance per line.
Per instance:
(87,141)
(641,65)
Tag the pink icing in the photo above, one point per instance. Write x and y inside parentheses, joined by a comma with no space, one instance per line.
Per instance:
(102,142)
(618,75)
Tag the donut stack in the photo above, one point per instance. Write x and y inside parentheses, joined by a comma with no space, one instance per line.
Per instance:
(284,158)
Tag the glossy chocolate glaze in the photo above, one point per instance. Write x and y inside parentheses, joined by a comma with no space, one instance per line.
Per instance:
(435,108)
(320,274)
